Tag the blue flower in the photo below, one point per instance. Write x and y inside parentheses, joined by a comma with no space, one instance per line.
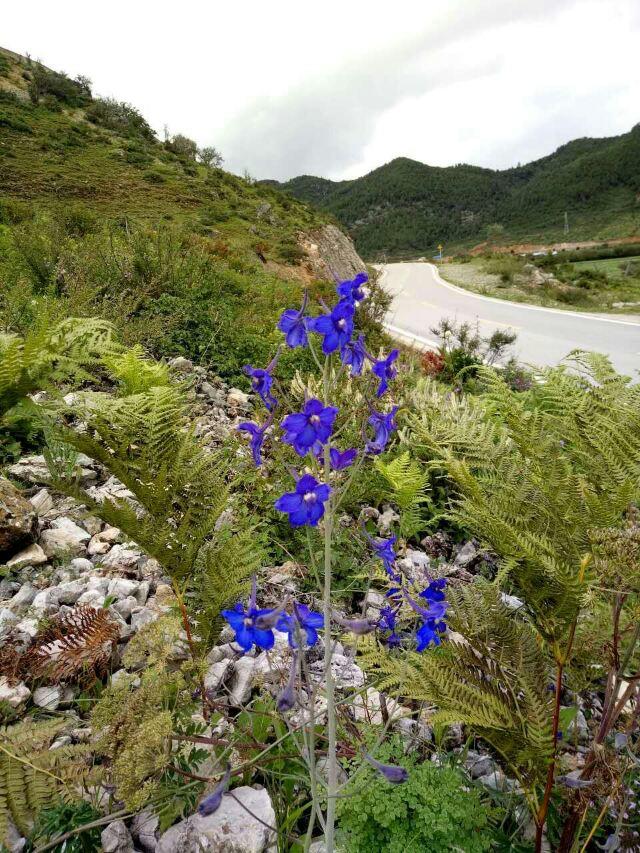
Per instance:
(435,590)
(336,326)
(211,803)
(304,620)
(383,425)
(426,634)
(294,324)
(257,434)
(311,428)
(340,461)
(385,370)
(353,289)
(306,504)
(387,622)
(262,381)
(383,549)
(353,355)
(243,623)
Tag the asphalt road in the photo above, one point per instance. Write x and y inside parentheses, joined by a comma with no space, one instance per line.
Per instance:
(545,335)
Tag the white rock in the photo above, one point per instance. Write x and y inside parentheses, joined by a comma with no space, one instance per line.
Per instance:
(116,838)
(230,829)
(13,841)
(46,600)
(81,565)
(98,583)
(97,547)
(64,537)
(31,556)
(228,650)
(122,587)
(59,742)
(121,559)
(125,606)
(367,708)
(123,677)
(28,627)
(181,364)
(31,469)
(92,598)
(47,697)
(23,598)
(14,694)
(142,593)
(512,601)
(466,555)
(237,398)
(64,523)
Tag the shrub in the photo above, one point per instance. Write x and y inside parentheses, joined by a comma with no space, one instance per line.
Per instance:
(433,810)
(182,146)
(14,211)
(153,177)
(119,117)
(290,252)
(79,220)
(75,93)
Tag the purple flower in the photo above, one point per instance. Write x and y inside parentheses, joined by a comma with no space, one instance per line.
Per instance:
(306,504)
(303,619)
(340,461)
(309,428)
(257,434)
(387,622)
(336,326)
(383,425)
(392,773)
(353,355)
(435,611)
(353,289)
(435,590)
(211,803)
(262,381)
(385,370)
(243,623)
(294,325)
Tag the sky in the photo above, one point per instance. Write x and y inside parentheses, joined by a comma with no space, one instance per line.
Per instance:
(341,87)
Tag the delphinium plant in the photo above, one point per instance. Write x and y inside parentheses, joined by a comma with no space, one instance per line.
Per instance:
(321,471)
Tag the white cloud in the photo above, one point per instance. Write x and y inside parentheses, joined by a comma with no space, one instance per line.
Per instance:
(339,88)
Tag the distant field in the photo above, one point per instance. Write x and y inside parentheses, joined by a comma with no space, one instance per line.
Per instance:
(610,266)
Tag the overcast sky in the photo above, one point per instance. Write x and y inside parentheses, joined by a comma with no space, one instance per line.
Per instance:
(337,88)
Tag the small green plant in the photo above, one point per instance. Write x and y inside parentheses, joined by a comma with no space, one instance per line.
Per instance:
(63,817)
(435,809)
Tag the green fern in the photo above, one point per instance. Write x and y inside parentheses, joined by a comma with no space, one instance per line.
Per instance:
(33,777)
(135,372)
(407,486)
(50,354)
(537,473)
(491,676)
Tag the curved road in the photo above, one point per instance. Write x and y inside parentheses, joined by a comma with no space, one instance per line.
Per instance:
(545,335)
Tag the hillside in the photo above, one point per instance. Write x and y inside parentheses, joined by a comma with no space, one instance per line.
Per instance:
(63,149)
(406,207)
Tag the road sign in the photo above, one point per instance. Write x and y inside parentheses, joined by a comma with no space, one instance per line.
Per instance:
(440,248)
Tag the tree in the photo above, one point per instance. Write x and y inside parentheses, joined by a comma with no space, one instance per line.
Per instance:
(210,157)
(183,146)
(495,232)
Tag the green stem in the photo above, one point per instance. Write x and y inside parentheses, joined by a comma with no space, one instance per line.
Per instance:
(332,766)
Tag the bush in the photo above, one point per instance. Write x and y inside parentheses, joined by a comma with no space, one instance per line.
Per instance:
(119,117)
(182,146)
(433,810)
(75,93)
(79,220)
(152,177)
(13,211)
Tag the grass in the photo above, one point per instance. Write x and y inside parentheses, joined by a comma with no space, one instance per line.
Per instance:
(581,286)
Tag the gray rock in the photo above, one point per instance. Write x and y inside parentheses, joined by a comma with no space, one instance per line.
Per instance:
(27,627)
(102,541)
(23,598)
(116,838)
(122,559)
(226,652)
(81,565)
(42,502)
(414,732)
(31,469)
(69,593)
(142,593)
(64,537)
(7,620)
(242,681)
(237,399)
(112,489)
(216,674)
(46,601)
(230,829)
(579,724)
(125,606)
(466,555)
(60,742)
(512,601)
(386,520)
(47,697)
(479,765)
(144,829)
(17,519)
(121,677)
(497,781)
(13,841)
(91,598)
(33,555)
(14,694)
(181,364)
(143,616)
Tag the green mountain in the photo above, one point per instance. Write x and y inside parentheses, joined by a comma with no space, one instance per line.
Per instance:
(62,149)
(407,208)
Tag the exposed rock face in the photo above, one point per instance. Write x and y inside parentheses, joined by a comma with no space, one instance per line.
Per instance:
(331,254)
(17,520)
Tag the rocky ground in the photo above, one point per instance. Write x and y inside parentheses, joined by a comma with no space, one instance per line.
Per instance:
(58,558)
